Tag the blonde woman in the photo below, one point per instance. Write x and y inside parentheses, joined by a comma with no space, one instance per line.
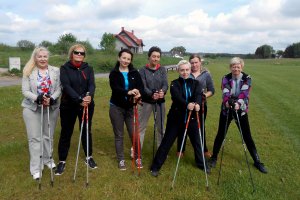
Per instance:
(41,88)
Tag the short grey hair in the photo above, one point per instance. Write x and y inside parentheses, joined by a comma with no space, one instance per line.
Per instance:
(183,62)
(236,60)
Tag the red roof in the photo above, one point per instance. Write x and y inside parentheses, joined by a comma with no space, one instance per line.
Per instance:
(133,38)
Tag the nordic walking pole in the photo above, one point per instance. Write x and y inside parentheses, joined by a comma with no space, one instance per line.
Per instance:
(202,115)
(87,144)
(154,130)
(41,146)
(138,137)
(202,149)
(79,142)
(223,145)
(50,144)
(184,135)
(245,150)
(133,142)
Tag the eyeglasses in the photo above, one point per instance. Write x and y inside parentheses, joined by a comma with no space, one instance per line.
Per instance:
(78,52)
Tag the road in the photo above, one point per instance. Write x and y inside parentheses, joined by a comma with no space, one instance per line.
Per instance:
(14,80)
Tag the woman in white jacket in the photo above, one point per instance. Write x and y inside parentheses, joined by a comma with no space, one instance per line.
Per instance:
(41,88)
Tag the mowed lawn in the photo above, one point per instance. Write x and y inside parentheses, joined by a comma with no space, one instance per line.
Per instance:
(274,120)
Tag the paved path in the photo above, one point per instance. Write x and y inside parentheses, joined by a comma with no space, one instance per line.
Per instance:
(14,80)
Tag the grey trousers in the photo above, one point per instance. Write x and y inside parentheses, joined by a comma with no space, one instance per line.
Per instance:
(118,116)
(32,121)
(144,115)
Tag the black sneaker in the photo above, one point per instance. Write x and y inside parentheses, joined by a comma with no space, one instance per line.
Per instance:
(207,169)
(92,164)
(60,168)
(261,167)
(154,173)
(212,162)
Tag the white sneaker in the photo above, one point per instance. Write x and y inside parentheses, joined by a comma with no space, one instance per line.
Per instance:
(36,176)
(50,164)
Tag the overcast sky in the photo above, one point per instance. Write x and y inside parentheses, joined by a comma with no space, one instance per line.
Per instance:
(229,26)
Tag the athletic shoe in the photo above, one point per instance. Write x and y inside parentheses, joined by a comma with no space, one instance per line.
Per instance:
(60,168)
(207,169)
(122,165)
(261,167)
(36,176)
(138,163)
(178,154)
(50,164)
(92,164)
(212,162)
(131,152)
(154,173)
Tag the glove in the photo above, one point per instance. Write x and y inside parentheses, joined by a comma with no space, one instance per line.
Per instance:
(231,103)
(52,101)
(39,99)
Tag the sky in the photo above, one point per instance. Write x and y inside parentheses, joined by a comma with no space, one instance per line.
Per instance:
(219,26)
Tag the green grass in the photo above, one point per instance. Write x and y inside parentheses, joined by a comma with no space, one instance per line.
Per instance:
(274,118)
(99,60)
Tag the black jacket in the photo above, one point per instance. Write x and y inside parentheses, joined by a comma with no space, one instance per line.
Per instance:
(76,82)
(179,89)
(119,96)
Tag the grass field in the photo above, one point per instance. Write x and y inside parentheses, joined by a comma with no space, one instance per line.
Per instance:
(274,119)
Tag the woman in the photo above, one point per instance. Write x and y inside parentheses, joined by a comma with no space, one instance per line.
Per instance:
(78,88)
(41,90)
(156,85)
(202,75)
(186,97)
(126,85)
(236,88)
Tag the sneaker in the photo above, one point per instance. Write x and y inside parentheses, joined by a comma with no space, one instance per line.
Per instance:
(36,176)
(122,165)
(207,169)
(154,173)
(60,168)
(138,163)
(92,164)
(50,164)
(261,167)
(178,154)
(131,152)
(207,154)
(212,162)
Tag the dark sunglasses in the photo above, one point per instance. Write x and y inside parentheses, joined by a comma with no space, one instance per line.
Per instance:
(78,52)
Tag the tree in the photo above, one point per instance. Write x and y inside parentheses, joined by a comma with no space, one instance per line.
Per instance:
(25,45)
(88,46)
(46,44)
(292,51)
(180,50)
(65,42)
(264,51)
(108,42)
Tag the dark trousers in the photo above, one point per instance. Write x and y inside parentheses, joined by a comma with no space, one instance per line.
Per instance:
(176,126)
(244,122)
(180,137)
(68,118)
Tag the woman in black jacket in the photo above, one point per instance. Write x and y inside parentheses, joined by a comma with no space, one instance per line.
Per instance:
(78,88)
(186,97)
(126,85)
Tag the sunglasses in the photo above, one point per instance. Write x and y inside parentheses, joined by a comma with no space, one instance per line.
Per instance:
(78,52)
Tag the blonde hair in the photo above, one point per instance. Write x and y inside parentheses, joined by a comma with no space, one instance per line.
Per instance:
(32,61)
(236,60)
(183,62)
(72,48)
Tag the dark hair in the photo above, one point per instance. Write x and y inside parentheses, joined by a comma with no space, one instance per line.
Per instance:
(155,48)
(125,51)
(195,56)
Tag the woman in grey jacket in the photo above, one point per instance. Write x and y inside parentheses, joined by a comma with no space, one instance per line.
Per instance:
(41,88)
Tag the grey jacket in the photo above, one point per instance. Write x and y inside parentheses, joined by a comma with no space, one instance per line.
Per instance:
(29,88)
(206,81)
(153,80)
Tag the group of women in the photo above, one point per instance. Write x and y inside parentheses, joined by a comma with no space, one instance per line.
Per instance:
(69,91)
